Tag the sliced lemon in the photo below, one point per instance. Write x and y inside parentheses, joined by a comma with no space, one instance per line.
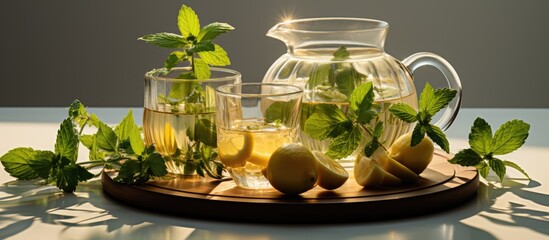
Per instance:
(331,174)
(393,167)
(234,151)
(257,158)
(369,173)
(416,158)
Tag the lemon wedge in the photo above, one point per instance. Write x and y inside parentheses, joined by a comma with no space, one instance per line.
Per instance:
(331,174)
(257,158)
(393,167)
(233,153)
(368,173)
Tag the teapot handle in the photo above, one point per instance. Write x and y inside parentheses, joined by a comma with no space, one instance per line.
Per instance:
(420,59)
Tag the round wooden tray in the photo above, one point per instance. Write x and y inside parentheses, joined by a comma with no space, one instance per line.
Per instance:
(441,186)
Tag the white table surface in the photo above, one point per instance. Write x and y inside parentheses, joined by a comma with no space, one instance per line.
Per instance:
(516,209)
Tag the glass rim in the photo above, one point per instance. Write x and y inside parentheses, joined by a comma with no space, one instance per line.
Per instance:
(218,90)
(233,74)
(283,25)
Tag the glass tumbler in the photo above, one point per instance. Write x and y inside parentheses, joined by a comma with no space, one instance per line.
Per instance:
(179,116)
(253,120)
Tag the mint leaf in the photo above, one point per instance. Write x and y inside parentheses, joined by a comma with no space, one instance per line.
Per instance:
(201,69)
(480,138)
(69,175)
(136,141)
(206,132)
(280,112)
(155,164)
(87,140)
(66,144)
(318,75)
(327,122)
(483,169)
(41,164)
(515,166)
(106,138)
(217,57)
(165,40)
(436,134)
(404,112)
(443,96)
(498,167)
(378,130)
(370,148)
(362,98)
(341,54)
(126,126)
(129,170)
(427,98)
(509,137)
(188,22)
(17,162)
(212,30)
(344,144)
(466,157)
(174,58)
(417,135)
(205,46)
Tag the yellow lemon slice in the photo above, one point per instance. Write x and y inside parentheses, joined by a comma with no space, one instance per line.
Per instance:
(368,173)
(261,159)
(331,174)
(416,158)
(234,152)
(393,167)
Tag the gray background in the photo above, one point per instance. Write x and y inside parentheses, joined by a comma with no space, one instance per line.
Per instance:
(52,52)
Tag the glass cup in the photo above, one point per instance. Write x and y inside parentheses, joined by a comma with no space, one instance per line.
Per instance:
(253,120)
(179,116)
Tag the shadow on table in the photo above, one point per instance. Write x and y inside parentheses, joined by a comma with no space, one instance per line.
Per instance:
(89,208)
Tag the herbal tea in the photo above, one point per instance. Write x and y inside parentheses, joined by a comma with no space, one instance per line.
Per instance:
(245,148)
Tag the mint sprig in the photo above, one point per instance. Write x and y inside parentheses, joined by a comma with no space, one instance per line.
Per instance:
(484,147)
(120,149)
(194,45)
(430,102)
(344,129)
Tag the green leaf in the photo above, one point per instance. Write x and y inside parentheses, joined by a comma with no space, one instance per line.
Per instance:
(42,165)
(436,134)
(156,164)
(69,175)
(404,112)
(498,167)
(328,121)
(180,90)
(83,174)
(417,135)
(378,130)
(427,98)
(128,171)
(517,167)
(173,59)
(509,137)
(362,98)
(466,157)
(344,144)
(136,141)
(206,132)
(371,147)
(87,140)
(212,30)
(365,116)
(201,69)
(218,57)
(188,22)
(66,144)
(17,162)
(318,75)
(280,111)
(165,40)
(480,138)
(106,138)
(341,54)
(126,126)
(483,169)
(346,80)
(205,46)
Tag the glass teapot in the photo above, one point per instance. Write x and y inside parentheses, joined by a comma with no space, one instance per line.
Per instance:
(329,57)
